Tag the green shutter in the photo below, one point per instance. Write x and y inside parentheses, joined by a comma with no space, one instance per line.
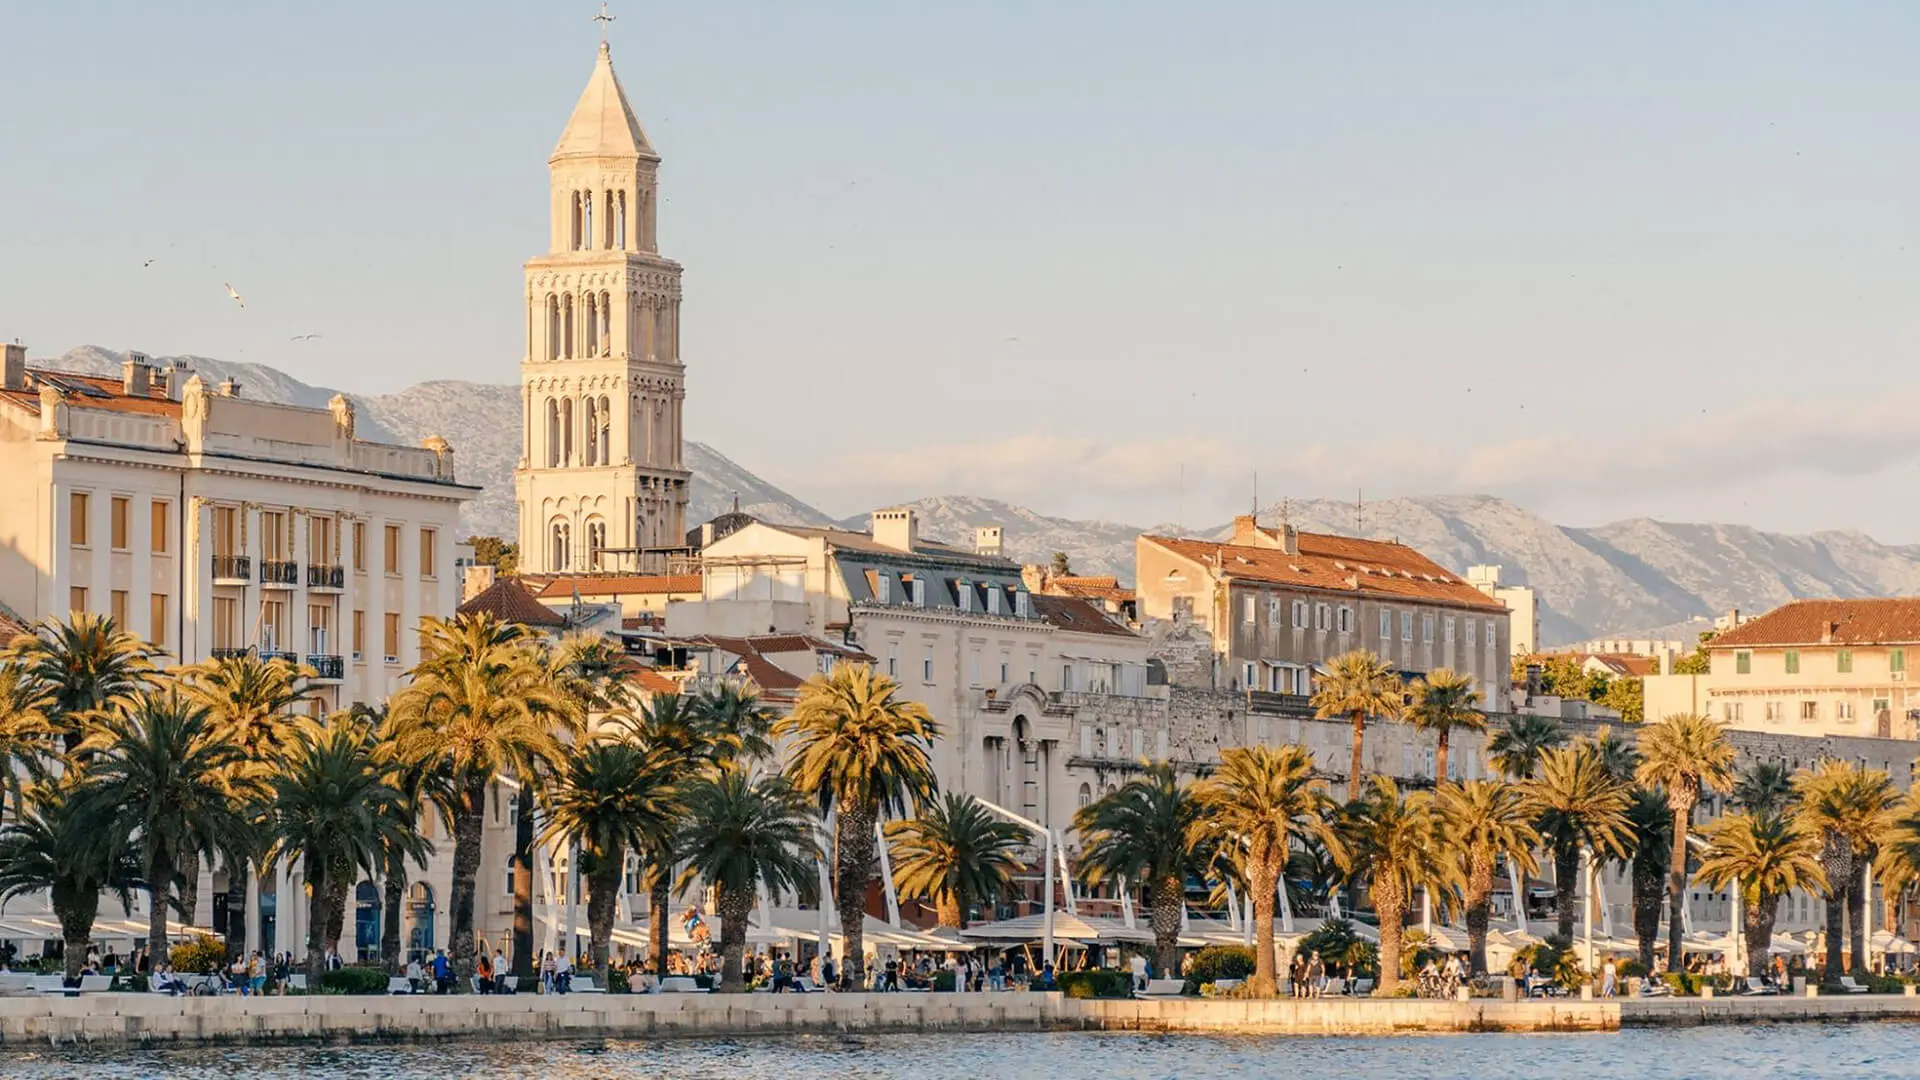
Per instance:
(1897,660)
(1793,661)
(1743,663)
(1843,661)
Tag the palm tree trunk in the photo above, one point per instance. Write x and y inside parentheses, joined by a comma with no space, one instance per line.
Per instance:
(395,894)
(603,885)
(1391,908)
(523,889)
(659,897)
(76,910)
(1265,978)
(337,908)
(467,825)
(317,887)
(189,886)
(1677,882)
(1479,914)
(1649,896)
(236,905)
(1441,747)
(1566,867)
(1759,926)
(853,866)
(1857,923)
(159,878)
(1836,858)
(735,905)
(946,912)
(1359,760)
(1166,900)
(1836,935)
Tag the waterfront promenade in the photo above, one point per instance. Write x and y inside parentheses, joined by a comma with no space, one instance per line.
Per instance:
(138,1019)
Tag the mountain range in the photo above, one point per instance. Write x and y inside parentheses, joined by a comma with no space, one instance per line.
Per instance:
(1630,578)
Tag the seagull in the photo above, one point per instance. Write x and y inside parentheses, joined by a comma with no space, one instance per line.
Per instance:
(146,264)
(235,295)
(303,337)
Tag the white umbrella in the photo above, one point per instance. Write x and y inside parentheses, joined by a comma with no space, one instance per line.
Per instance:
(1884,941)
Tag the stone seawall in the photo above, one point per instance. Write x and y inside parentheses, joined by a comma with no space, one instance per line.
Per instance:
(1686,1012)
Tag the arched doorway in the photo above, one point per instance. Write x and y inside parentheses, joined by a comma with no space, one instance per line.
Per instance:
(420,939)
(269,905)
(366,919)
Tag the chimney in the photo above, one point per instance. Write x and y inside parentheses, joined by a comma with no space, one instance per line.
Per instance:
(987,541)
(1289,540)
(16,368)
(230,388)
(1828,631)
(896,528)
(1246,530)
(136,375)
(175,380)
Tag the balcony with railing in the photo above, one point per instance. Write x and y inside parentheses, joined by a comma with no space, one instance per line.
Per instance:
(270,655)
(227,652)
(283,573)
(326,668)
(320,576)
(232,569)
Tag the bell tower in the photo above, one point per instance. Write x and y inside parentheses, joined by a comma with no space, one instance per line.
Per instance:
(600,482)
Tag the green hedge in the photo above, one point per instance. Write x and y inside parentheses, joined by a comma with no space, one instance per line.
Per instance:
(1216,962)
(943,982)
(354,980)
(1095,984)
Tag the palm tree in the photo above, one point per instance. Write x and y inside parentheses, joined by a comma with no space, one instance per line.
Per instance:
(671,730)
(481,706)
(956,855)
(1765,855)
(1256,804)
(741,836)
(737,720)
(1650,835)
(1620,757)
(1146,832)
(26,731)
(861,750)
(1488,822)
(334,808)
(156,761)
(249,701)
(1442,701)
(1764,787)
(610,798)
(1516,750)
(1577,804)
(1848,807)
(1402,841)
(1357,685)
(1686,754)
(87,662)
(66,845)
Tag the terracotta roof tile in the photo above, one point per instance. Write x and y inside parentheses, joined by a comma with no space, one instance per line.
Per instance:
(1073,613)
(1091,588)
(1880,621)
(509,601)
(107,393)
(562,586)
(1339,564)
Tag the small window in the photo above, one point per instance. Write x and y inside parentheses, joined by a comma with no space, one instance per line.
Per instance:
(917,591)
(1386,625)
(1446,629)
(360,546)
(1735,711)
(1249,676)
(162,522)
(1843,710)
(1426,629)
(1472,627)
(1793,661)
(1843,661)
(359,634)
(77,505)
(893,660)
(429,553)
(1021,603)
(390,639)
(1406,626)
(963,590)
(883,588)
(1066,677)
(157,619)
(1086,794)
(1322,616)
(1299,614)
(77,599)
(1809,710)
(1897,660)
(117,607)
(120,519)
(1346,619)
(1246,610)
(392,563)
(973,668)
(1490,637)
(1773,711)
(1273,611)
(1003,670)
(926,667)
(1743,664)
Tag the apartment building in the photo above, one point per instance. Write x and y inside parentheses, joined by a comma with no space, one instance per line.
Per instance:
(211,524)
(1279,603)
(1811,667)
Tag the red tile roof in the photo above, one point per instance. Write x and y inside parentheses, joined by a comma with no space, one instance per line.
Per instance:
(1619,663)
(767,675)
(112,393)
(1339,564)
(1090,588)
(1882,621)
(509,601)
(563,586)
(12,626)
(1073,613)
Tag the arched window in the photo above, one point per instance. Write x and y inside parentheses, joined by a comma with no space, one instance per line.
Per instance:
(566,431)
(560,547)
(606,430)
(621,228)
(573,239)
(610,218)
(1086,794)
(553,434)
(596,543)
(606,325)
(553,327)
(593,324)
(586,230)
(566,329)
(592,433)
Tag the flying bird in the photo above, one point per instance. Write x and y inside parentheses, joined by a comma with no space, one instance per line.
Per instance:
(146,264)
(235,295)
(303,337)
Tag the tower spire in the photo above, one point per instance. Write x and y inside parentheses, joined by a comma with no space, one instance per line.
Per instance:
(606,23)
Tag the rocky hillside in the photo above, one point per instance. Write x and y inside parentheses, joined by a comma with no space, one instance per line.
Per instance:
(1630,577)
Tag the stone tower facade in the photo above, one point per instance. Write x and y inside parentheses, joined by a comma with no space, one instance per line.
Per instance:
(600,481)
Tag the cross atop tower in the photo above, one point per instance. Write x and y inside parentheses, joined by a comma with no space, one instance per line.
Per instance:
(605,20)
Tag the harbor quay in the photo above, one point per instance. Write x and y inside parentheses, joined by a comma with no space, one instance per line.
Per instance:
(140,1020)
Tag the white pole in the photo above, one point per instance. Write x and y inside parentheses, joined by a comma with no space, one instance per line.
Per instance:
(1333,903)
(1126,904)
(886,877)
(1736,934)
(826,889)
(1586,911)
(1866,913)
(573,896)
(1426,913)
(1286,906)
(1233,908)
(1066,879)
(1046,884)
(543,893)
(1246,924)
(1519,900)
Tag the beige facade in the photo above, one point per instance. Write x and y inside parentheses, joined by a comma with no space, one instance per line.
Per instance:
(600,482)
(1813,667)
(209,523)
(1524,623)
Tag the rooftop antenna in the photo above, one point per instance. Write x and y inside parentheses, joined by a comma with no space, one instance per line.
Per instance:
(1180,518)
(1286,511)
(1256,496)
(1360,511)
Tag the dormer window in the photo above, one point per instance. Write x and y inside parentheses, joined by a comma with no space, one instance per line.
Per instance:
(964,591)
(916,591)
(1022,605)
(883,588)
(993,608)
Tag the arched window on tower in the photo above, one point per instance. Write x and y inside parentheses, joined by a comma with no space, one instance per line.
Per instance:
(553,327)
(608,222)
(573,237)
(586,223)
(559,549)
(606,430)
(596,543)
(566,431)
(593,324)
(621,226)
(593,432)
(606,324)
(566,329)
(553,434)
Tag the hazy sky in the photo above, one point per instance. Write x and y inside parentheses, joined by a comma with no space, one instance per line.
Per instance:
(1645,259)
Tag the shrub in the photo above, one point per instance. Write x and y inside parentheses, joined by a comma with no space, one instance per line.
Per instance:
(1095,984)
(1216,962)
(1632,969)
(1681,982)
(1555,959)
(1416,952)
(204,955)
(1336,944)
(618,981)
(354,980)
(943,982)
